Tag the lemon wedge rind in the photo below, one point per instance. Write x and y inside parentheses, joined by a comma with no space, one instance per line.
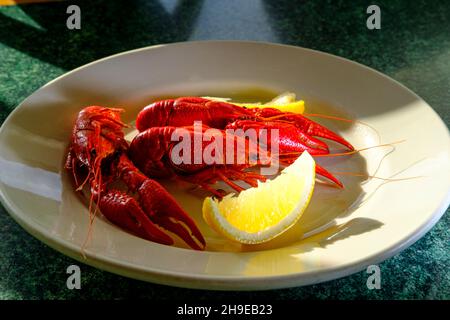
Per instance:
(301,173)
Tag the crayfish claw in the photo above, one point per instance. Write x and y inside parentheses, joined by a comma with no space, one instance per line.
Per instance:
(163,210)
(325,173)
(124,211)
(191,236)
(318,130)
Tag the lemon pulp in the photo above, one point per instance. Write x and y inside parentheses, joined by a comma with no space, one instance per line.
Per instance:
(259,214)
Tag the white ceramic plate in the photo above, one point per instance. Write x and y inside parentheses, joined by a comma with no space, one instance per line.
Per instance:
(342,231)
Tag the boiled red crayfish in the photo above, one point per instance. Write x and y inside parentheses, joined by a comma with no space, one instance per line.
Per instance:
(296,134)
(218,114)
(97,157)
(151,151)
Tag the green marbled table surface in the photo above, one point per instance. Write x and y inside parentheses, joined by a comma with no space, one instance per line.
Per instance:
(412,46)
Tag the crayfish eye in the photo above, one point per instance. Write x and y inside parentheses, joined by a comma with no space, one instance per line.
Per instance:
(93,152)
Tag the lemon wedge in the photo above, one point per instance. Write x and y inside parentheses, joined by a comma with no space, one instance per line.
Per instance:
(285,102)
(294,107)
(259,214)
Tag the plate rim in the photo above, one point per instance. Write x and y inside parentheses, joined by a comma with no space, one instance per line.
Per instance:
(223,282)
